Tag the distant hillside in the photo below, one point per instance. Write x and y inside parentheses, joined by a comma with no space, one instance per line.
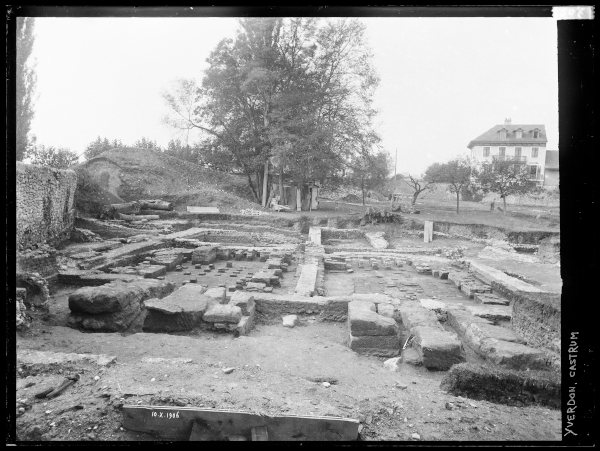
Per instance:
(132,174)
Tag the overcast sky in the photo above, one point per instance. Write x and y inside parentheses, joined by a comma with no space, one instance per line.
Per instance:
(444,81)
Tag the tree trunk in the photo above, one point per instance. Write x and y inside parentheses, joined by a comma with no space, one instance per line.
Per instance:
(504,203)
(256,198)
(414,199)
(265,182)
(457,200)
(362,187)
(281,190)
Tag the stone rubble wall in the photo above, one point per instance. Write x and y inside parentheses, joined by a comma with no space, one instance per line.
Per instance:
(45,210)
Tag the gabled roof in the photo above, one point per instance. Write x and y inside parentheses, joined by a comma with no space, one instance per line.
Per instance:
(492,137)
(551,159)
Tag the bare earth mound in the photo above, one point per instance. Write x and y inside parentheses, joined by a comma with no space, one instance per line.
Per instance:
(132,174)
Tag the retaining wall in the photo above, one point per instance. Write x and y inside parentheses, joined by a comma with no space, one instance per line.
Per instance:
(45,210)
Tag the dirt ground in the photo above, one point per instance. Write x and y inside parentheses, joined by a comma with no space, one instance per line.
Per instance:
(277,371)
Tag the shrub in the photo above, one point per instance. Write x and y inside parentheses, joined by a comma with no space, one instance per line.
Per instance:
(88,193)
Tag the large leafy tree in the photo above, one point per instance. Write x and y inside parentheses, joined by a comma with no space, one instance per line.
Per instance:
(370,170)
(294,93)
(26,80)
(506,178)
(456,173)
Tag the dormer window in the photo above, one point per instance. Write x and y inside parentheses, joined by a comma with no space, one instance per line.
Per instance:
(502,133)
(519,134)
(536,133)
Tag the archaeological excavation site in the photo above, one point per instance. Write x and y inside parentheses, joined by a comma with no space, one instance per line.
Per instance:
(159,319)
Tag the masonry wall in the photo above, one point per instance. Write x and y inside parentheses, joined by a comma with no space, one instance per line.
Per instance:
(45,210)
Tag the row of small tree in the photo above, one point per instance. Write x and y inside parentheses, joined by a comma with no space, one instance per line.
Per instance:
(505,178)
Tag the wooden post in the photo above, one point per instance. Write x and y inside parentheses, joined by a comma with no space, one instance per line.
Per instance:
(298,198)
(428,232)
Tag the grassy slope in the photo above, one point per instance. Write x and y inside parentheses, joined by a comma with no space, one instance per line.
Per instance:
(149,174)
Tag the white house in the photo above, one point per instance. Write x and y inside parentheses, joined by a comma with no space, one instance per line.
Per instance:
(521,143)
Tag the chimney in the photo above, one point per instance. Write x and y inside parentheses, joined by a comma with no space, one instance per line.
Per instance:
(507,121)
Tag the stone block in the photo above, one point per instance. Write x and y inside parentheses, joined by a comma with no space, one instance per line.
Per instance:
(438,348)
(444,275)
(512,355)
(216,293)
(168,259)
(244,326)
(411,357)
(378,345)
(255,286)
(204,255)
(181,310)
(268,277)
(114,296)
(413,314)
(475,333)
(364,321)
(245,301)
(290,320)
(223,313)
(470,288)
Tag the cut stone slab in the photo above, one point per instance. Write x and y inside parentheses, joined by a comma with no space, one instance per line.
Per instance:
(413,315)
(363,321)
(307,282)
(477,332)
(491,299)
(217,293)
(439,349)
(151,271)
(223,313)
(460,320)
(491,312)
(202,210)
(182,310)
(290,320)
(456,278)
(493,275)
(114,296)
(204,255)
(513,355)
(383,346)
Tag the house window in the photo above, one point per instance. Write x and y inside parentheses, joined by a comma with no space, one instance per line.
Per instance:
(533,171)
(534,152)
(486,151)
(536,134)
(518,152)
(519,134)
(502,151)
